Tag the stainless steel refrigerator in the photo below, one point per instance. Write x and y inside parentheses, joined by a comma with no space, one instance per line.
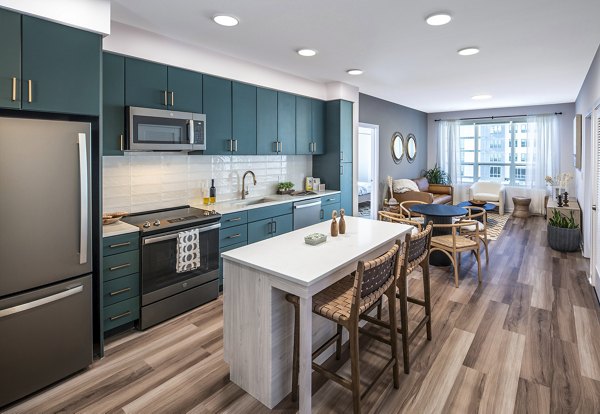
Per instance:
(45,253)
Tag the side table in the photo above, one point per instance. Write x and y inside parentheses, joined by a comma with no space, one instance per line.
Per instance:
(521,207)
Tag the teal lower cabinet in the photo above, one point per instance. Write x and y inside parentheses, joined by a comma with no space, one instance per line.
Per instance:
(271,227)
(283,224)
(120,280)
(329,203)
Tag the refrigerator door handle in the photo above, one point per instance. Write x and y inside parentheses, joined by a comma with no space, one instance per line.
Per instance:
(83,198)
(39,302)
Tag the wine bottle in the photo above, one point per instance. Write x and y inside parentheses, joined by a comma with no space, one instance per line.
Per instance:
(213,192)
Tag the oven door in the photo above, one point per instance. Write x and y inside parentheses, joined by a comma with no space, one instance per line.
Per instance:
(160,278)
(160,130)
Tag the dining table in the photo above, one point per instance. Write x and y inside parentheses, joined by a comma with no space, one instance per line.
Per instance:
(439,214)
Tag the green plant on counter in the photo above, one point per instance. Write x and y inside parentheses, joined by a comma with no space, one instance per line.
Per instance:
(563,222)
(436,175)
(285,186)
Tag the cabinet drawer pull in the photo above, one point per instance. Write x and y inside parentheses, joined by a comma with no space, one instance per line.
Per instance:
(280,146)
(114,246)
(341,155)
(123,266)
(29,91)
(234,236)
(14,89)
(122,138)
(234,219)
(118,292)
(230,145)
(330,199)
(275,229)
(235,148)
(165,102)
(122,315)
(172,98)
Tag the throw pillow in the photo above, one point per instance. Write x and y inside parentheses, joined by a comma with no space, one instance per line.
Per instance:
(403,185)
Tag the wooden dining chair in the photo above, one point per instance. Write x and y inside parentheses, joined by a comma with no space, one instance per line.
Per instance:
(479,214)
(405,210)
(399,218)
(455,243)
(415,253)
(345,303)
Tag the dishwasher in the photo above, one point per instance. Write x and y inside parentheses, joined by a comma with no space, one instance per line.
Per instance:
(307,213)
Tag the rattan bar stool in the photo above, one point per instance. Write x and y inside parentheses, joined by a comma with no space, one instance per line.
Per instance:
(415,254)
(345,303)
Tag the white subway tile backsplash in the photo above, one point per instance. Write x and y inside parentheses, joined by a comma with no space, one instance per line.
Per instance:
(141,181)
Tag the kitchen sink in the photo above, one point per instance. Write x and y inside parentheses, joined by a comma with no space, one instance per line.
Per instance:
(251,202)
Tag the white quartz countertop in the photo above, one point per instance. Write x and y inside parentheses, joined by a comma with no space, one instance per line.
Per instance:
(288,257)
(235,206)
(118,228)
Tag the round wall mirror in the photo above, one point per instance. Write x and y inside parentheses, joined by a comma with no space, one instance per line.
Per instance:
(397,147)
(411,147)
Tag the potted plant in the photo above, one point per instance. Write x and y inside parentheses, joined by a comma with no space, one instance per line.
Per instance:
(286,187)
(563,233)
(436,175)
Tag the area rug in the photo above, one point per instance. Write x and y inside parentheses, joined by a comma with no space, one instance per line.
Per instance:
(496,224)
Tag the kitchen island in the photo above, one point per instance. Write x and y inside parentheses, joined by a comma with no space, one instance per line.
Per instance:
(258,322)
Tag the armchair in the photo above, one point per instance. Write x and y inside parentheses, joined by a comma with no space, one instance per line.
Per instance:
(490,192)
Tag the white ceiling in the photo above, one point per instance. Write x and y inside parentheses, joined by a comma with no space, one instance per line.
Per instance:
(532,51)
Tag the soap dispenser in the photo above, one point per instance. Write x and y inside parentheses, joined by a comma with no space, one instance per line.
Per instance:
(334,224)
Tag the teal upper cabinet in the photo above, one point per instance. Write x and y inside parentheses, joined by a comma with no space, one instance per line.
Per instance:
(217,107)
(346,187)
(60,68)
(113,104)
(304,144)
(244,118)
(146,84)
(345,120)
(154,85)
(266,122)
(184,90)
(310,126)
(286,123)
(318,126)
(10,64)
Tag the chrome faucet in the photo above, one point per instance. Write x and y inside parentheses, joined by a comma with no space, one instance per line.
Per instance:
(244,188)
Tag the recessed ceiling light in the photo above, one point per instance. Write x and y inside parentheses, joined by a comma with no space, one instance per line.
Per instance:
(481,97)
(307,52)
(468,51)
(354,72)
(225,20)
(438,19)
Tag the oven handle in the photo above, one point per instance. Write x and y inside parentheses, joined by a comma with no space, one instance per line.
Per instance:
(150,240)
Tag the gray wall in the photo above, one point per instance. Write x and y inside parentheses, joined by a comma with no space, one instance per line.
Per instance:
(392,117)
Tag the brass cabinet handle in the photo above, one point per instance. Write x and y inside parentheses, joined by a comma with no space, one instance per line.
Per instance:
(235,219)
(114,246)
(122,137)
(122,315)
(172,98)
(14,89)
(165,98)
(118,292)
(234,236)
(123,266)
(30,91)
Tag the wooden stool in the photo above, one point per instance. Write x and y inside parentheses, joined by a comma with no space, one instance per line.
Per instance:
(521,207)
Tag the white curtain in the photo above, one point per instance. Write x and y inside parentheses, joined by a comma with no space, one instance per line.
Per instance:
(448,157)
(542,157)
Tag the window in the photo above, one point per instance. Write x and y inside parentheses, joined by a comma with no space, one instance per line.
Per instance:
(490,151)
(494,172)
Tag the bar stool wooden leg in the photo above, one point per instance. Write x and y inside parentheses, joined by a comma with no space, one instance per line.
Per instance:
(427,296)
(338,343)
(391,295)
(355,368)
(402,295)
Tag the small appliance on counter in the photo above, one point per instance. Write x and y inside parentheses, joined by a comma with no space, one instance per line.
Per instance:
(173,281)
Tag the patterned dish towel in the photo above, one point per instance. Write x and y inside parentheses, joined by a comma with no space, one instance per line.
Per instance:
(188,250)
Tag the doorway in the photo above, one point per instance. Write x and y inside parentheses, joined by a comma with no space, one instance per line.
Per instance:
(368,170)
(594,135)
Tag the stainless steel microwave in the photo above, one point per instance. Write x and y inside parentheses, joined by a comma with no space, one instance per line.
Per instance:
(164,130)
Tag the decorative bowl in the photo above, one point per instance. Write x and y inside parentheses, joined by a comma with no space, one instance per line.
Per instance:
(315,238)
(110,218)
(478,203)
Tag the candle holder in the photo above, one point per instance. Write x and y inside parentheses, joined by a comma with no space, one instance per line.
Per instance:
(566,198)
(559,200)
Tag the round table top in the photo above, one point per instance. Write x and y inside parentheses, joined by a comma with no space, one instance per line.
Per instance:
(440,210)
(486,206)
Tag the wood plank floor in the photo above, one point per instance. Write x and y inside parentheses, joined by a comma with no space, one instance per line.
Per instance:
(527,340)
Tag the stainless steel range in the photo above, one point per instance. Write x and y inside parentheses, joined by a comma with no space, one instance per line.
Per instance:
(179,261)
